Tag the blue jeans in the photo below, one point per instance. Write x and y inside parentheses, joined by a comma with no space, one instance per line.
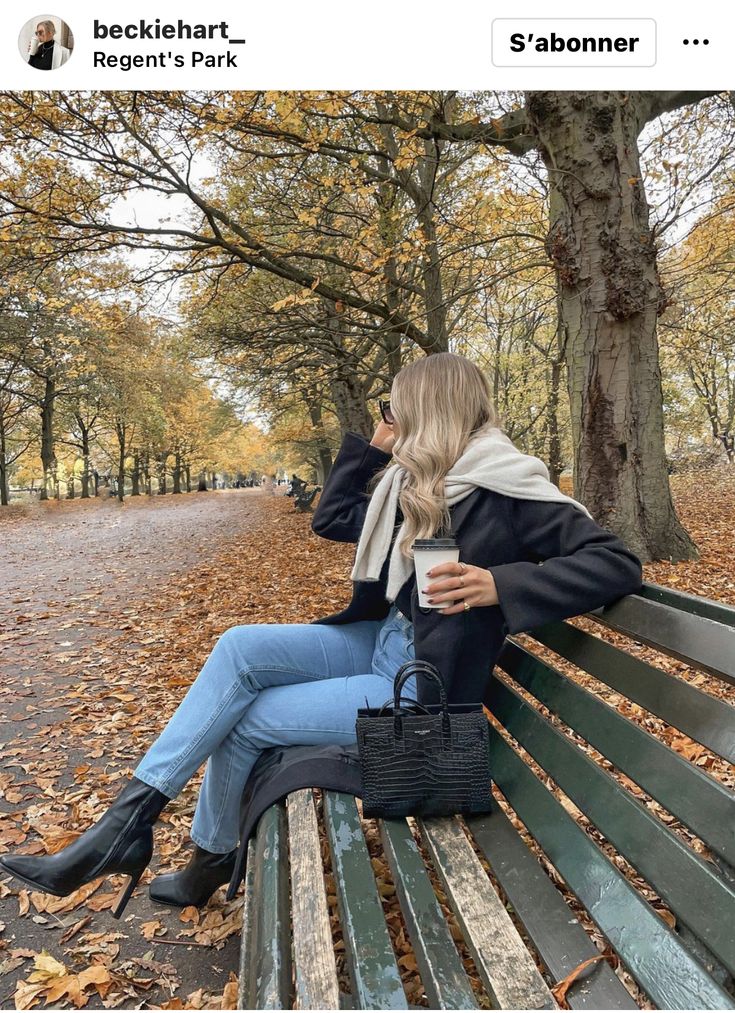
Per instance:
(271,684)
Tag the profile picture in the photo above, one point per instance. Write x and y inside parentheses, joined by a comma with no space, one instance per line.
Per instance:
(46,42)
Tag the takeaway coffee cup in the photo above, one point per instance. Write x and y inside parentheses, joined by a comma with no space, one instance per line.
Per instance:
(427,553)
(33,48)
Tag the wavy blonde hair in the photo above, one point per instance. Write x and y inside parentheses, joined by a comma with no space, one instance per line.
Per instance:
(438,402)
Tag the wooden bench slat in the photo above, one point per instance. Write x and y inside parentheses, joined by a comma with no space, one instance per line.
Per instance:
(704,643)
(268,914)
(703,804)
(688,884)
(315,969)
(651,951)
(702,717)
(692,603)
(375,975)
(561,941)
(245,998)
(507,968)
(441,970)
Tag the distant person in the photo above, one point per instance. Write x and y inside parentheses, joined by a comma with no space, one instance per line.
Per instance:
(438,460)
(45,53)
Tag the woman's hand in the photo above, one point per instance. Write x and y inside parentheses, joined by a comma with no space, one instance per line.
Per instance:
(460,583)
(384,437)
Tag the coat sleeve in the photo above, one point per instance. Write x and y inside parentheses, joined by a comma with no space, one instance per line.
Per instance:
(572,565)
(340,512)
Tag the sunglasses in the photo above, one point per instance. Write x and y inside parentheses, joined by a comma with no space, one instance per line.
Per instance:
(385,412)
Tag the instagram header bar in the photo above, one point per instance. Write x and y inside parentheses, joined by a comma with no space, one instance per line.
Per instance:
(289,45)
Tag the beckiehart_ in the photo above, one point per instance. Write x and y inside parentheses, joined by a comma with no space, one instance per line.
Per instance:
(161,30)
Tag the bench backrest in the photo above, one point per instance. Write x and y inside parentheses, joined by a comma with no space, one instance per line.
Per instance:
(623,791)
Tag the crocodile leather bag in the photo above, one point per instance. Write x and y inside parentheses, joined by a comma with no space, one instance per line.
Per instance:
(419,760)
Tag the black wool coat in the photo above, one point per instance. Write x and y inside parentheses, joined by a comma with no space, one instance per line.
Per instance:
(549,562)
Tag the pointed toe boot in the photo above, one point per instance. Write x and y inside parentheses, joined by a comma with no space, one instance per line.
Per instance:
(196,882)
(120,842)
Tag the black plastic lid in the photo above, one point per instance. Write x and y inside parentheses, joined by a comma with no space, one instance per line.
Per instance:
(435,543)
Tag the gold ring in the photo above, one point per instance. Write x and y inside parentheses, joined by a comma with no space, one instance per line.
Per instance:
(466,607)
(461,581)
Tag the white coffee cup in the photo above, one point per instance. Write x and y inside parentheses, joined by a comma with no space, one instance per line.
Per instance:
(428,553)
(33,48)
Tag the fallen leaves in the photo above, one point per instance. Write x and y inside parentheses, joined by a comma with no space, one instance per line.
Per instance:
(115,690)
(215,925)
(559,991)
(152,928)
(51,981)
(46,902)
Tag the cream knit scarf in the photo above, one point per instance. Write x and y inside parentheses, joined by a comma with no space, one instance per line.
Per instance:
(490,461)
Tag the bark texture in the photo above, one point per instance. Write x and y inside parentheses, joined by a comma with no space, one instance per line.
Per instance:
(610,297)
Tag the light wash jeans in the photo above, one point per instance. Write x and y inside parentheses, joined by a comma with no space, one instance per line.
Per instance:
(271,684)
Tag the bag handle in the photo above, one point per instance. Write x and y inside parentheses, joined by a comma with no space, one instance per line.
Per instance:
(418,667)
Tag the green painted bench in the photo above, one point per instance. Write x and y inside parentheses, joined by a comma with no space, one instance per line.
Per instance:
(516,920)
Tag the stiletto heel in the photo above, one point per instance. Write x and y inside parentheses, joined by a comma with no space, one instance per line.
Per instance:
(120,842)
(132,864)
(125,893)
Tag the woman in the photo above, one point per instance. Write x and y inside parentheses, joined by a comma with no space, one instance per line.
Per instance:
(529,555)
(45,53)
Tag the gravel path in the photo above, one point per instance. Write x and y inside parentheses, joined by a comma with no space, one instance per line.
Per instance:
(74,576)
(74,547)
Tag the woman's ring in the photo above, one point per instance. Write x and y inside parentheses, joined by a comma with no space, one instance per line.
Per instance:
(461,581)
(466,607)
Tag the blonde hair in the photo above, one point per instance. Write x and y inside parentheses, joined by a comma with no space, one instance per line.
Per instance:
(48,25)
(437,402)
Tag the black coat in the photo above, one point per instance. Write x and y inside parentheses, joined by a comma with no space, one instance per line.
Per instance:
(549,562)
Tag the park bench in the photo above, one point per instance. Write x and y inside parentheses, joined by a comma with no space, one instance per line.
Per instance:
(302,499)
(512,916)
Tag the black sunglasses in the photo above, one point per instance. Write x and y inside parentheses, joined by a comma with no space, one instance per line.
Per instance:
(385,412)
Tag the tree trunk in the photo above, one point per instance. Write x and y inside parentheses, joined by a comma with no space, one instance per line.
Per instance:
(121,442)
(162,474)
(604,253)
(187,472)
(85,459)
(436,310)
(202,483)
(135,476)
(70,488)
(324,454)
(347,388)
(177,473)
(4,490)
(553,447)
(348,395)
(420,184)
(48,457)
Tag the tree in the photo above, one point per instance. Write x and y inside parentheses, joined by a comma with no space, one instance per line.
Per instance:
(697,332)
(599,241)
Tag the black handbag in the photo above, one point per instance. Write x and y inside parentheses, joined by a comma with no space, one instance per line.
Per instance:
(423,760)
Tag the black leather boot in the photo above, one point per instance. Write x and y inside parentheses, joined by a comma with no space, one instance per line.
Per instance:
(196,882)
(120,842)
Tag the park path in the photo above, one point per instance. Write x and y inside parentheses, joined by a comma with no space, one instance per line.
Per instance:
(75,546)
(106,613)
